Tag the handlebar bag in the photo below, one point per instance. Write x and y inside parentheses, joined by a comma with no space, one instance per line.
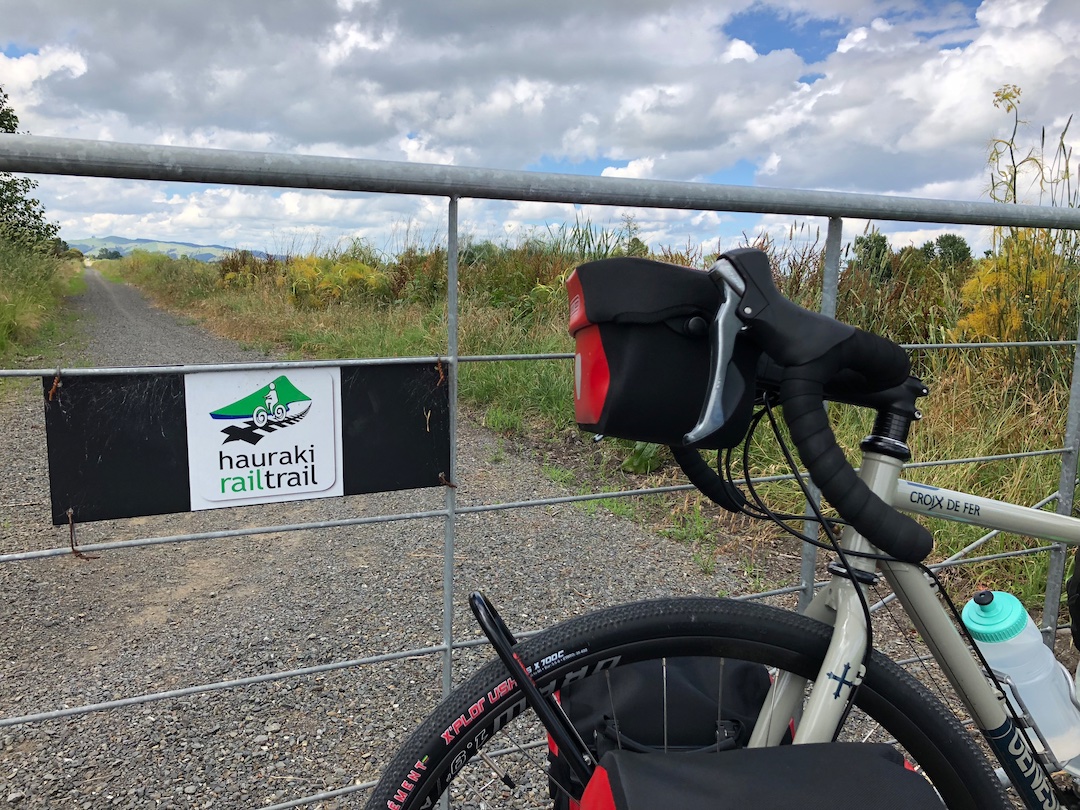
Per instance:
(642,359)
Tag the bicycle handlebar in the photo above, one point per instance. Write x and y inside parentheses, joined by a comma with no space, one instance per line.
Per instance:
(802,397)
(814,350)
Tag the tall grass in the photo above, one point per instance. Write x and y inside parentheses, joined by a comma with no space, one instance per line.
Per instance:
(353,301)
(1025,289)
(31,288)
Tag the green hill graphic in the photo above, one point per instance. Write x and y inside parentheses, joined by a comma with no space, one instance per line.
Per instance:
(287,394)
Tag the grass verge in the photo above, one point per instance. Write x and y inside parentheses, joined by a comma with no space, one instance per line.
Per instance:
(353,303)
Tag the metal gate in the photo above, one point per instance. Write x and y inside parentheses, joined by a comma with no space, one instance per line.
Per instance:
(442,511)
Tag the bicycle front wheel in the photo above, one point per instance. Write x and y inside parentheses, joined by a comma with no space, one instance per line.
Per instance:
(486,714)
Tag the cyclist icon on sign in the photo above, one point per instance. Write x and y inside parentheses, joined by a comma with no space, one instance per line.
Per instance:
(273,410)
(272,403)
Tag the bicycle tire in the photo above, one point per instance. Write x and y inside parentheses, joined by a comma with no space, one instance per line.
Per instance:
(436,753)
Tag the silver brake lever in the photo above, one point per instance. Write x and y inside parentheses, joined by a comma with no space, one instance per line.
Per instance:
(722,333)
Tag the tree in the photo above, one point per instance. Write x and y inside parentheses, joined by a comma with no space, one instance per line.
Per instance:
(22,218)
(950,249)
(873,255)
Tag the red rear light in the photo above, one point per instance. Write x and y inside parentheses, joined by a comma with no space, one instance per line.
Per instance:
(591,376)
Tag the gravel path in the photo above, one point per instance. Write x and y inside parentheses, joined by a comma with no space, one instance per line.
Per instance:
(133,622)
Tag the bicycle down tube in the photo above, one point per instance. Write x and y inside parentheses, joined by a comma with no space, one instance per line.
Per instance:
(945,643)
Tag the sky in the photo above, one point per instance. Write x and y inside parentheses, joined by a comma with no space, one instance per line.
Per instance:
(878,96)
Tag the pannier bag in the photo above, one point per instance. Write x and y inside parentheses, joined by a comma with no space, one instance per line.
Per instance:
(641,366)
(710,705)
(836,776)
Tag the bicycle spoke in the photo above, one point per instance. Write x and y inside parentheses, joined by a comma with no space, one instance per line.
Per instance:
(504,777)
(614,713)
(663,667)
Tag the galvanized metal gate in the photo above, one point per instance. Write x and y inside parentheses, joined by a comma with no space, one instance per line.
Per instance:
(99,159)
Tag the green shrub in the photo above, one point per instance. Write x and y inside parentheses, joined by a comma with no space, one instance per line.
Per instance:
(1025,291)
(317,282)
(242,269)
(30,291)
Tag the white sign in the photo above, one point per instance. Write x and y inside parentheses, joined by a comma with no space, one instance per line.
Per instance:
(263,436)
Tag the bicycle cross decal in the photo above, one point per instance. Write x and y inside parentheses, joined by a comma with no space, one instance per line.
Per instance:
(841,680)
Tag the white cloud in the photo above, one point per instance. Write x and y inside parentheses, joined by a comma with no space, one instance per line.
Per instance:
(641,167)
(1009,13)
(771,164)
(853,40)
(739,50)
(641,102)
(349,37)
(417,150)
(581,140)
(20,77)
(899,102)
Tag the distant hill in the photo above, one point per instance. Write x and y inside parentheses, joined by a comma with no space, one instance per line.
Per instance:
(202,253)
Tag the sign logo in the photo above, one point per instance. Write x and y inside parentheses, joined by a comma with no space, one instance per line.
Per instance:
(294,420)
(273,407)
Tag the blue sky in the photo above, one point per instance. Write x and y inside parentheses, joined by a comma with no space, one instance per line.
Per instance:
(877,96)
(770,29)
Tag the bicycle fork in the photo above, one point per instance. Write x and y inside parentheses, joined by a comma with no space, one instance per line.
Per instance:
(841,671)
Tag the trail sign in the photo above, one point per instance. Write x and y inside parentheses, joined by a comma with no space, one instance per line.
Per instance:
(124,445)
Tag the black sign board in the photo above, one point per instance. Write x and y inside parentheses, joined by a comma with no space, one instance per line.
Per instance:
(120,445)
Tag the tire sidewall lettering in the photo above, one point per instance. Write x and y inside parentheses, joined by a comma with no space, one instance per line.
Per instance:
(465,745)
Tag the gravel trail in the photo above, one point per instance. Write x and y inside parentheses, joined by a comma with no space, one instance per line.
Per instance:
(133,622)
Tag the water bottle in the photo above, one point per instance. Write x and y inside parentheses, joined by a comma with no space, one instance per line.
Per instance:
(1013,646)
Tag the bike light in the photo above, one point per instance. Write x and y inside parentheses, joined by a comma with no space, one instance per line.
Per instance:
(592,377)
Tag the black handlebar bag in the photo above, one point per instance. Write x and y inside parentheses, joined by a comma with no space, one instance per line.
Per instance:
(642,361)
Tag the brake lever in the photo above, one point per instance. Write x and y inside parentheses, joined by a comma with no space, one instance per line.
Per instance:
(722,333)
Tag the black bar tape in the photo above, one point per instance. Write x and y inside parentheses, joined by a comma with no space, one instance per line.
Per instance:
(883,364)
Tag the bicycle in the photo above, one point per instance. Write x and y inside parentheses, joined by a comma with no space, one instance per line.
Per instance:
(826,676)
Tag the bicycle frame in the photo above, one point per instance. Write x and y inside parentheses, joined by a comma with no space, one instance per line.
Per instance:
(838,604)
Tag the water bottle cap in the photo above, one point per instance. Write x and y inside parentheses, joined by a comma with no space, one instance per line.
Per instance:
(997,618)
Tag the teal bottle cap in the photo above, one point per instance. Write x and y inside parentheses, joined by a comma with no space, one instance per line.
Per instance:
(994,616)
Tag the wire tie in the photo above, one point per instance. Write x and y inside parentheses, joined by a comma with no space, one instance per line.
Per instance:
(74,545)
(56,383)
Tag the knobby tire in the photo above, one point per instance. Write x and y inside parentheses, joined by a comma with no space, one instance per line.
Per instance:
(439,749)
